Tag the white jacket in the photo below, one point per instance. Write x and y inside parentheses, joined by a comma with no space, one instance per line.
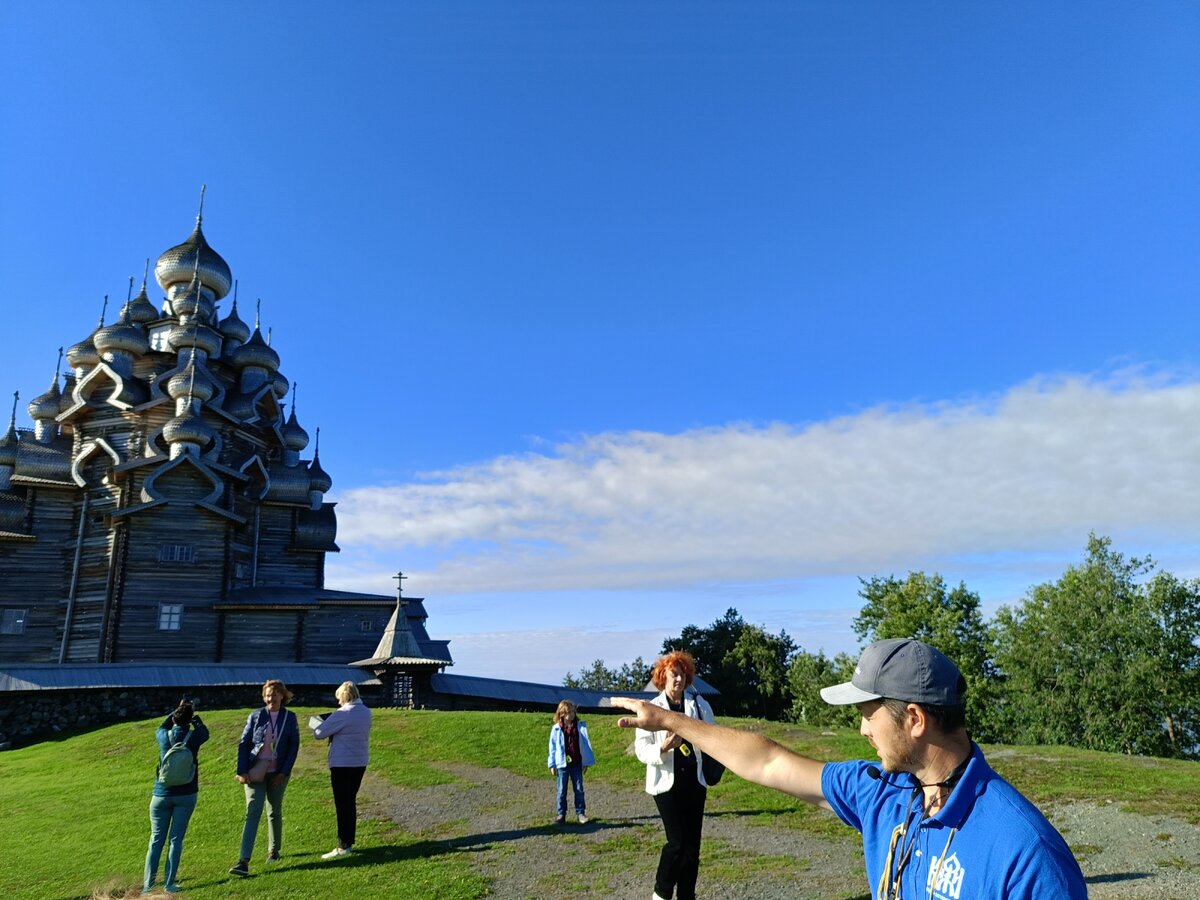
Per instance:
(660,767)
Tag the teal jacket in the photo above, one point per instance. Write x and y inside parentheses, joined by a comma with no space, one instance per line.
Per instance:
(168,735)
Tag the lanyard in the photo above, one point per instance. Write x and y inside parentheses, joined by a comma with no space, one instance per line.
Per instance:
(889,883)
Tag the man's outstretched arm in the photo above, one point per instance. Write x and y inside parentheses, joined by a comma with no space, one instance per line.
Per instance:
(749,755)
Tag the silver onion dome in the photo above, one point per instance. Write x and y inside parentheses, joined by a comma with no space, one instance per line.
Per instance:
(318,478)
(294,436)
(194,256)
(193,382)
(189,428)
(201,337)
(121,336)
(256,352)
(233,327)
(83,353)
(46,406)
(140,310)
(192,301)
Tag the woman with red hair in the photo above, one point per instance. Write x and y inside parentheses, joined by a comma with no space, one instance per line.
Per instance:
(675,777)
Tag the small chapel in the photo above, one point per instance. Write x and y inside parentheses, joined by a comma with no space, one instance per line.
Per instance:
(162,508)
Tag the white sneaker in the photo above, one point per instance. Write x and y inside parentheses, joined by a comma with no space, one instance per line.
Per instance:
(583,820)
(336,852)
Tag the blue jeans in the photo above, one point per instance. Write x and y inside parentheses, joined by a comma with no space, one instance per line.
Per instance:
(168,816)
(575,771)
(255,795)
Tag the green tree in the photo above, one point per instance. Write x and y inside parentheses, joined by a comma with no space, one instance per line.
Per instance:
(750,670)
(709,647)
(630,677)
(1101,659)
(762,661)
(807,674)
(920,606)
(1174,608)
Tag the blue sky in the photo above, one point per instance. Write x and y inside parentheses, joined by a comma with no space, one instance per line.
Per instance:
(616,315)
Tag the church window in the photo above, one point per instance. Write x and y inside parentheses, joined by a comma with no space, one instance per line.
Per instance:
(176,553)
(170,616)
(402,692)
(12,621)
(366,625)
(158,338)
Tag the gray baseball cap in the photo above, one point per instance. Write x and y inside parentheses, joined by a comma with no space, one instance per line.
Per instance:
(901,669)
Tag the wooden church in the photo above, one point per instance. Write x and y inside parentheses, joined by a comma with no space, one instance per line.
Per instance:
(161,507)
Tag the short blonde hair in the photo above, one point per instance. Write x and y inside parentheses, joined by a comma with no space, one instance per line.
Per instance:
(280,688)
(347,692)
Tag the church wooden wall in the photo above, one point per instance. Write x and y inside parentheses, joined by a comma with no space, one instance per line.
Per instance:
(150,581)
(278,563)
(343,635)
(33,576)
(258,635)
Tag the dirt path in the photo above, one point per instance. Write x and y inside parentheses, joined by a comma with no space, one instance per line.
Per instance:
(502,821)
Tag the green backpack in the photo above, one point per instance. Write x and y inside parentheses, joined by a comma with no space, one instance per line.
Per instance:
(178,766)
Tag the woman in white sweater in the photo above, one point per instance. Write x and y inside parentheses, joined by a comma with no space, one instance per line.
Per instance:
(675,778)
(347,728)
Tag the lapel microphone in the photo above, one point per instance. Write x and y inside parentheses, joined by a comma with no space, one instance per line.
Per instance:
(873,772)
(950,781)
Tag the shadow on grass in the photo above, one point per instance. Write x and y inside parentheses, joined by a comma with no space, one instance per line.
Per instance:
(394,853)
(467,843)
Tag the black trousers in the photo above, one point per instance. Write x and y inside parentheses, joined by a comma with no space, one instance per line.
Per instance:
(682,812)
(346,781)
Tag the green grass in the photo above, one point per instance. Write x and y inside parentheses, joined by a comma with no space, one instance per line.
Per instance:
(1143,785)
(73,811)
(75,817)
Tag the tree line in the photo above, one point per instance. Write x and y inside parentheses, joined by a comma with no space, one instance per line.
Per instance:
(1105,658)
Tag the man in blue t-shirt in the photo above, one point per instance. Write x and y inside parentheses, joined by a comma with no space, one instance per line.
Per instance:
(937,822)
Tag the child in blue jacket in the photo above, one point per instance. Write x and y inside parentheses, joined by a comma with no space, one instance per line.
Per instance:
(570,754)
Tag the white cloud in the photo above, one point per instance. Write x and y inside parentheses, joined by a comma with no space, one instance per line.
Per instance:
(1026,472)
(545,655)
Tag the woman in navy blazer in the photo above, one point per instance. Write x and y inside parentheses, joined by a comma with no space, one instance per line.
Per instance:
(266,754)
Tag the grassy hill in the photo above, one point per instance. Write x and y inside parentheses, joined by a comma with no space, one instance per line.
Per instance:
(73,811)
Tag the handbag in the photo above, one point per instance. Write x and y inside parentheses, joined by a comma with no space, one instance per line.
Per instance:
(712,767)
(258,771)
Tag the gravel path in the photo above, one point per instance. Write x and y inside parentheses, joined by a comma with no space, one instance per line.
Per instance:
(1123,854)
(502,821)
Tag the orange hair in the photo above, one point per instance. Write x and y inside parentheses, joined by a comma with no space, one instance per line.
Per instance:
(680,658)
